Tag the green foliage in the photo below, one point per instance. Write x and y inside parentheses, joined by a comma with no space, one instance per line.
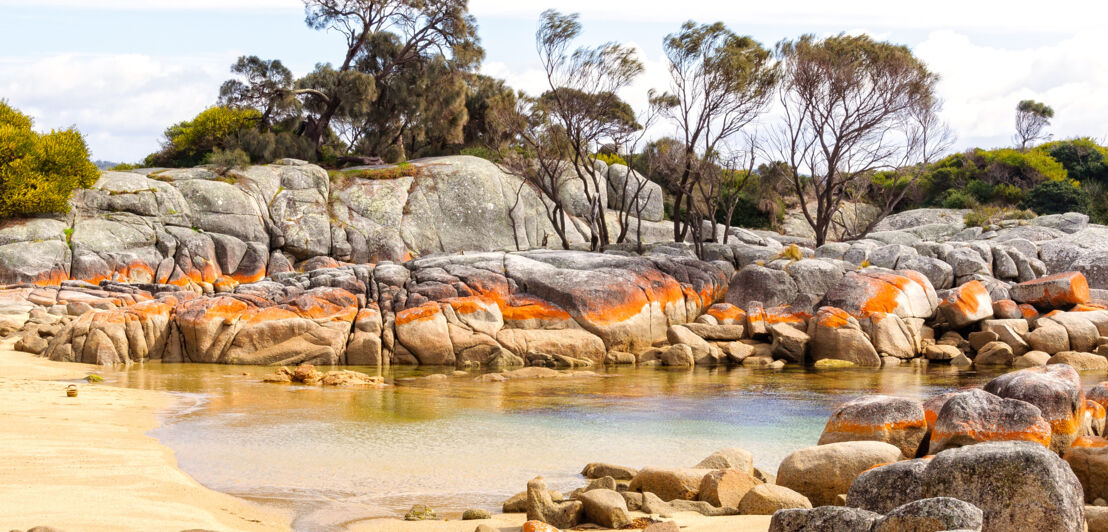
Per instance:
(1057,197)
(966,180)
(482,152)
(1083,159)
(39,171)
(92,377)
(189,143)
(123,167)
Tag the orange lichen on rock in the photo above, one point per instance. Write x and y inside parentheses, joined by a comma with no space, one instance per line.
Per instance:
(423,312)
(833,318)
(726,313)
(1090,442)
(51,278)
(1070,288)
(524,307)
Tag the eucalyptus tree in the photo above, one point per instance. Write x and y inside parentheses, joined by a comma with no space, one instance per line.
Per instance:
(581,105)
(720,82)
(1031,119)
(845,101)
(383,39)
(265,85)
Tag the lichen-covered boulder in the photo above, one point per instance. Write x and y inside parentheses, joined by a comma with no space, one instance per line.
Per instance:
(1017,486)
(824,472)
(882,488)
(1054,291)
(896,420)
(837,335)
(907,294)
(966,305)
(726,488)
(976,416)
(1056,390)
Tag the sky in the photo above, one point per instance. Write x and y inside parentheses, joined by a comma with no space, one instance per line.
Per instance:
(121,71)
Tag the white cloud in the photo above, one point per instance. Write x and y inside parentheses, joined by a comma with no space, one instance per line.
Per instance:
(121,103)
(990,15)
(981,84)
(158,4)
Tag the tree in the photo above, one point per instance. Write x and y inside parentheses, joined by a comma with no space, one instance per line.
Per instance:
(719,83)
(846,101)
(1031,119)
(266,86)
(581,105)
(39,171)
(383,37)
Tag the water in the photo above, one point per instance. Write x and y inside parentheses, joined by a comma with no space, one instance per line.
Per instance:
(333,456)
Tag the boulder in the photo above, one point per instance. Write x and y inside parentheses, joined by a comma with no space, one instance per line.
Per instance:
(938,272)
(1054,291)
(1017,486)
(733,458)
(1030,360)
(789,343)
(994,354)
(726,487)
(932,515)
(765,499)
(966,305)
(1080,361)
(895,420)
(679,334)
(907,294)
(1088,458)
(837,335)
(823,519)
(601,470)
(883,488)
(541,507)
(605,507)
(756,283)
(1055,390)
(976,416)
(824,472)
(669,484)
(1049,337)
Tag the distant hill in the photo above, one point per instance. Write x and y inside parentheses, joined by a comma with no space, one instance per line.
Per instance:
(105,165)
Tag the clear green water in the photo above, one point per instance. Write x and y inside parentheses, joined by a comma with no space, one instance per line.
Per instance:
(333,456)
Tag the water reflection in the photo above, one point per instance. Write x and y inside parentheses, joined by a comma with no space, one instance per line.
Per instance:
(337,455)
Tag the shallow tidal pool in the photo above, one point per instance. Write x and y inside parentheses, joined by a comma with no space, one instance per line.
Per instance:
(335,456)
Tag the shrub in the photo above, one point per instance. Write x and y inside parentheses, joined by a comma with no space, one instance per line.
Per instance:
(123,167)
(959,199)
(404,169)
(1057,197)
(980,190)
(223,161)
(611,158)
(39,171)
(189,143)
(1020,168)
(988,216)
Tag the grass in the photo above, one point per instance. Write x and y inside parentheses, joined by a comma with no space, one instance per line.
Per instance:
(404,169)
(790,253)
(68,236)
(988,216)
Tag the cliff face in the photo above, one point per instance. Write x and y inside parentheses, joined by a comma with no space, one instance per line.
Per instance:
(190,226)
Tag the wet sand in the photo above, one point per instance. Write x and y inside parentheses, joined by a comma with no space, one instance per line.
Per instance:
(86,463)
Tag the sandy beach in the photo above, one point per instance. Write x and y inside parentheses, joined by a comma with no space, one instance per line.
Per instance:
(86,463)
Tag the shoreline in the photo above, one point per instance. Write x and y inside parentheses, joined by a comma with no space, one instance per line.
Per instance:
(87,463)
